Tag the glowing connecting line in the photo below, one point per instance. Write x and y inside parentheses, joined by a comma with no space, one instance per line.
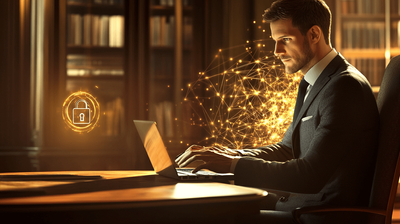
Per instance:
(246,101)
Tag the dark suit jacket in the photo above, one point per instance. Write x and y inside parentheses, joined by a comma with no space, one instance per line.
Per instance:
(327,155)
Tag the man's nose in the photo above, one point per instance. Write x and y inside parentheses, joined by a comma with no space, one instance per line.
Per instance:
(278,49)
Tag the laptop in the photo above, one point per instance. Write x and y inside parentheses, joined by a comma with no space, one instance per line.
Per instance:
(162,162)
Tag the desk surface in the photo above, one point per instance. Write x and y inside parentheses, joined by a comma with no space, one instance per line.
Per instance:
(137,192)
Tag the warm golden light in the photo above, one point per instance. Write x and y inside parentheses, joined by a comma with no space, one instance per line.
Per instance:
(262,108)
(72,103)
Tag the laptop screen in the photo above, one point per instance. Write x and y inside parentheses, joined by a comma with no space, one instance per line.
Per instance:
(155,148)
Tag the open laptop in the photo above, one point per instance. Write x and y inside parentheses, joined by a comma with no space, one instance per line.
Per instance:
(162,162)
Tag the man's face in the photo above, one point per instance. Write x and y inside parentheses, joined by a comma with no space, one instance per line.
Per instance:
(291,46)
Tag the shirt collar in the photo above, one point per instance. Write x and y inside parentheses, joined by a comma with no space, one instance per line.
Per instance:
(312,75)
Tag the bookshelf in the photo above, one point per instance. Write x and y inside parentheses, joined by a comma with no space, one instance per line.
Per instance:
(367,34)
(108,48)
(171,69)
(89,54)
(95,56)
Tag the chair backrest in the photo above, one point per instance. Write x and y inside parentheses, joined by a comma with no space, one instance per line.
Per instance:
(387,168)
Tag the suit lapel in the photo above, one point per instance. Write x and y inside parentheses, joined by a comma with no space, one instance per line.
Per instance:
(311,96)
(336,64)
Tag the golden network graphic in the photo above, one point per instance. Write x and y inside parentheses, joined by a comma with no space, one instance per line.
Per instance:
(245,101)
(81,112)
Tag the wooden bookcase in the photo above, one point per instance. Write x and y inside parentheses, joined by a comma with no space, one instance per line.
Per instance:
(88,54)
(367,35)
(172,68)
(95,57)
(128,74)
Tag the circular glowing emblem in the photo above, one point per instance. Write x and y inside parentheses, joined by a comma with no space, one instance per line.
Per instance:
(81,111)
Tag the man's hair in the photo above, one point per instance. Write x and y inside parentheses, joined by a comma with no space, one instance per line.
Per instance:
(304,15)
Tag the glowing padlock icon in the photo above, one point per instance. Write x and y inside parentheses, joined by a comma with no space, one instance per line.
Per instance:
(81,115)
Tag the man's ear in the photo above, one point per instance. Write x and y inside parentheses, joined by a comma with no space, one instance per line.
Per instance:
(315,34)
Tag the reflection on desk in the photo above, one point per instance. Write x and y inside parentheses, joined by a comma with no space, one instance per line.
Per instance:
(123,197)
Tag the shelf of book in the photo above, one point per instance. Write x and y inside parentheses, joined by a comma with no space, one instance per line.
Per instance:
(171,67)
(361,7)
(94,59)
(95,30)
(363,17)
(368,35)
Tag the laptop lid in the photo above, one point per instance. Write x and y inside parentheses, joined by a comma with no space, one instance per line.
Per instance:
(162,162)
(155,148)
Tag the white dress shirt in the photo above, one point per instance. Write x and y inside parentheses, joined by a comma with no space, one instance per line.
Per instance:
(312,75)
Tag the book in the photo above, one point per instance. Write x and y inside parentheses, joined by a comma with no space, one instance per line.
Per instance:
(363,35)
(87,29)
(95,30)
(362,7)
(104,30)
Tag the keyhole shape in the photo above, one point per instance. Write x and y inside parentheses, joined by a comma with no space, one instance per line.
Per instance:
(81,117)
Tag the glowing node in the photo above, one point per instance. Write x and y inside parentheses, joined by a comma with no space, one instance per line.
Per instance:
(260,103)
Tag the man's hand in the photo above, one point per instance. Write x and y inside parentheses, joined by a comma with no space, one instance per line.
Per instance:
(216,158)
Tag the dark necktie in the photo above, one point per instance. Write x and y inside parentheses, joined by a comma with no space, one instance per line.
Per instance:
(300,98)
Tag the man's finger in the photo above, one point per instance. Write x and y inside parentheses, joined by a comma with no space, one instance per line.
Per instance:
(187,152)
(193,156)
(185,157)
(202,166)
(182,156)
(197,157)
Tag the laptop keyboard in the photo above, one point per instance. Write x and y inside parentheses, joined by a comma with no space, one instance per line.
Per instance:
(200,172)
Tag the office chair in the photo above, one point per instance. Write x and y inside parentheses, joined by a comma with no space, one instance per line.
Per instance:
(387,168)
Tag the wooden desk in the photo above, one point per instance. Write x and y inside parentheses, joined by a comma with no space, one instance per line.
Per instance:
(123,197)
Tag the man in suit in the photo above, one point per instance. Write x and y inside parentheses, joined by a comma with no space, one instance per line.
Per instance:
(327,154)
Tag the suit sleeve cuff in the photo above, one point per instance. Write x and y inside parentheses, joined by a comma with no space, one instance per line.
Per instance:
(233,164)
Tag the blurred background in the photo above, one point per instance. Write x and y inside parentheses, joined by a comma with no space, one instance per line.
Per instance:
(137,58)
